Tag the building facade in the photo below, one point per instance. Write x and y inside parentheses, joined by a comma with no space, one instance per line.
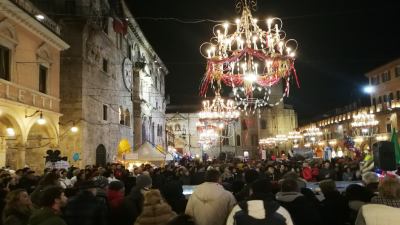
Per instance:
(30,47)
(112,85)
(385,105)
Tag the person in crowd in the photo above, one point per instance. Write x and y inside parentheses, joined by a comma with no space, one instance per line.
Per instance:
(75,174)
(52,201)
(227,175)
(301,183)
(210,203)
(133,203)
(64,181)
(326,172)
(115,197)
(371,182)
(102,185)
(155,210)
(306,173)
(173,193)
(18,208)
(181,219)
(315,172)
(249,176)
(389,192)
(334,208)
(271,174)
(110,176)
(357,196)
(85,208)
(158,179)
(348,175)
(184,176)
(260,208)
(302,210)
(50,179)
(377,214)
(28,180)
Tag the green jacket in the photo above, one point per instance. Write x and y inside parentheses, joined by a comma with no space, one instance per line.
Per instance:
(45,216)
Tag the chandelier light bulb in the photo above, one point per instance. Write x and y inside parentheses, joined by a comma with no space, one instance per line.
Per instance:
(74,129)
(10,132)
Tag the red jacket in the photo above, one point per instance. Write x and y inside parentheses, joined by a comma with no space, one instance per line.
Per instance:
(307,174)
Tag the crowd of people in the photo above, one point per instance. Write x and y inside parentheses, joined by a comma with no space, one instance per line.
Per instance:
(234,192)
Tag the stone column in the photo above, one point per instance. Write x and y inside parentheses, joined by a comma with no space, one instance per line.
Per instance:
(3,151)
(136,103)
(21,152)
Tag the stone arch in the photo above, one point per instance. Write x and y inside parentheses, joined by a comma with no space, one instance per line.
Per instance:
(50,126)
(101,155)
(8,31)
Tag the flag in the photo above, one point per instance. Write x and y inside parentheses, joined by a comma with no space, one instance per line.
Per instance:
(395,142)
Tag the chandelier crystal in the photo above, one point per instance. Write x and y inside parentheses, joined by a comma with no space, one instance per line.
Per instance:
(249,59)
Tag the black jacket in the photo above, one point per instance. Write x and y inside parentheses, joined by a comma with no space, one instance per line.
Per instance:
(334,209)
(302,211)
(86,209)
(131,208)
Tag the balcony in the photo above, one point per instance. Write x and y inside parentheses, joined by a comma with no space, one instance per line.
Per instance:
(31,9)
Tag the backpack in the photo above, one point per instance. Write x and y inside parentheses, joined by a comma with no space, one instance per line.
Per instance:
(242,217)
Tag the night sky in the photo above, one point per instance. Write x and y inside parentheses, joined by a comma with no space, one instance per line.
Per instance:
(338,43)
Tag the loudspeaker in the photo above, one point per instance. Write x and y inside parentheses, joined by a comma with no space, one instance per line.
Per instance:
(384,155)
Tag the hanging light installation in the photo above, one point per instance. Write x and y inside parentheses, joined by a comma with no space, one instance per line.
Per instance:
(218,112)
(365,123)
(250,60)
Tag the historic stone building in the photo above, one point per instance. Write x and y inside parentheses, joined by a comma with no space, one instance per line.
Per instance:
(112,81)
(30,47)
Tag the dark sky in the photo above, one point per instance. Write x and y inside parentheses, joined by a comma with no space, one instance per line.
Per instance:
(339,41)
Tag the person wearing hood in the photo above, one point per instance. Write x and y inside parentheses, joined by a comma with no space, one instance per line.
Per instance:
(210,203)
(261,208)
(155,210)
(302,210)
(172,191)
(132,205)
(334,208)
(52,201)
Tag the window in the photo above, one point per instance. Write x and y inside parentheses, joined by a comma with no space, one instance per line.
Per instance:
(397,71)
(380,99)
(254,140)
(263,124)
(43,79)
(388,127)
(374,101)
(385,76)
(398,95)
(127,118)
(4,63)
(129,51)
(156,81)
(244,125)
(105,65)
(238,140)
(121,116)
(225,141)
(105,109)
(159,130)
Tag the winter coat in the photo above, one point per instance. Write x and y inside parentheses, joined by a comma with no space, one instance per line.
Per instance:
(307,173)
(155,210)
(302,210)
(377,214)
(334,209)
(16,217)
(259,212)
(86,209)
(173,194)
(210,204)
(46,216)
(131,208)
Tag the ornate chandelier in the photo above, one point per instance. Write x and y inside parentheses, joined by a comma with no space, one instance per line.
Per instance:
(218,112)
(250,60)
